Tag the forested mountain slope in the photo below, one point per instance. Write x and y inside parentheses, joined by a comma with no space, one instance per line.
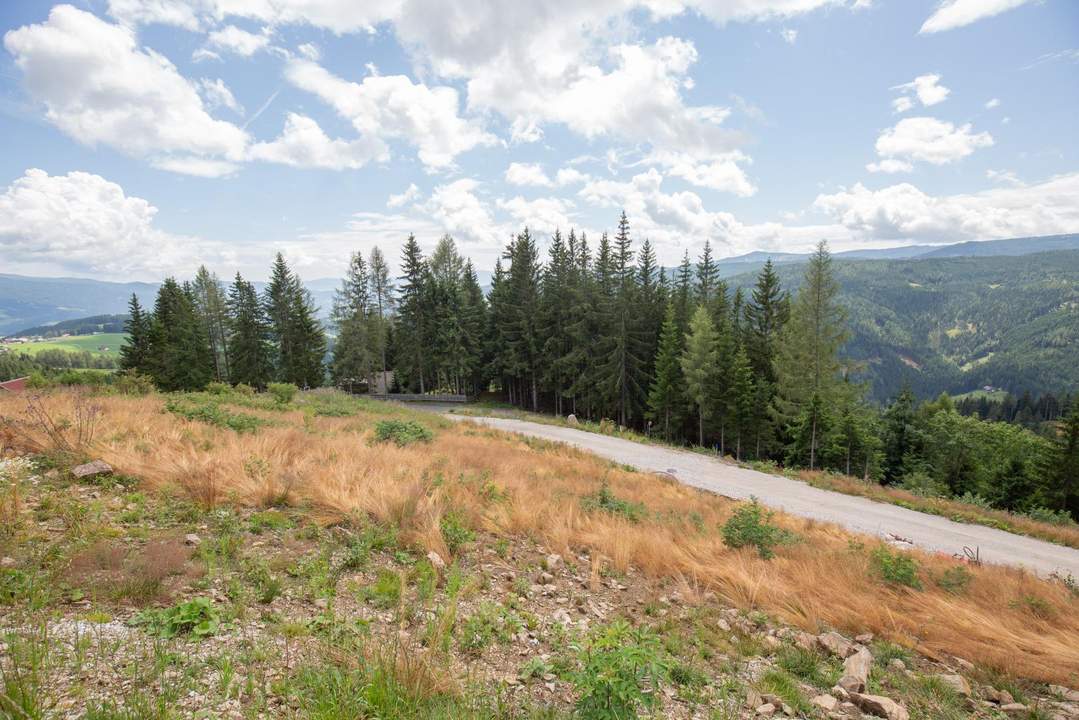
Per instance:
(955,324)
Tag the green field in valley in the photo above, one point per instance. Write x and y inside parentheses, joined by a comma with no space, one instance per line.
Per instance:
(103,344)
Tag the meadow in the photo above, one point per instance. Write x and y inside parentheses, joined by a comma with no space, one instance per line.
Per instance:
(78,343)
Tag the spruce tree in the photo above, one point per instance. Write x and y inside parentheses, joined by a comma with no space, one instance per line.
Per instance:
(413,323)
(742,399)
(620,374)
(699,366)
(352,357)
(1065,473)
(179,356)
(555,321)
(382,297)
(250,348)
(707,276)
(211,306)
(666,398)
(134,353)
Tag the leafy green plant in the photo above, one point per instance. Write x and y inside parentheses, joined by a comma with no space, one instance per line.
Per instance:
(401,432)
(751,525)
(606,501)
(211,413)
(783,684)
(386,591)
(954,580)
(895,567)
(621,669)
(269,520)
(1048,515)
(197,617)
(455,532)
(807,665)
(282,393)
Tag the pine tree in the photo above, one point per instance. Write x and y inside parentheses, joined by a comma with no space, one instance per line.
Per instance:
(179,356)
(666,398)
(382,296)
(620,375)
(707,276)
(651,304)
(742,398)
(250,349)
(135,352)
(413,323)
(765,315)
(1065,473)
(699,366)
(902,437)
(555,320)
(521,331)
(279,294)
(807,361)
(353,360)
(213,313)
(299,340)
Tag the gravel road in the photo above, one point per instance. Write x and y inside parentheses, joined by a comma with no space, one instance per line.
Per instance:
(854,513)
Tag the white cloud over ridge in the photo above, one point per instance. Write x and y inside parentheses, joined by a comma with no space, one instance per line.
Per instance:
(925,139)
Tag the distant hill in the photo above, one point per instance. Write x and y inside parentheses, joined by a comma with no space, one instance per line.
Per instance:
(78,326)
(958,324)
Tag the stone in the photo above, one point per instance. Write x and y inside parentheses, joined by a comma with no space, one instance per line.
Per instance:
(554,561)
(192,539)
(7,562)
(766,710)
(1000,697)
(864,638)
(1066,693)
(955,682)
(545,578)
(897,665)
(836,644)
(1014,708)
(825,702)
(852,684)
(322,603)
(436,560)
(964,664)
(92,469)
(880,706)
(753,699)
(857,666)
(571,419)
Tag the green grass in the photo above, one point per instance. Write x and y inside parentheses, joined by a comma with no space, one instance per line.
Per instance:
(79,343)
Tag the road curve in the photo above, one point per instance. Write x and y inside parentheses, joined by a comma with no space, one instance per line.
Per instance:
(929,532)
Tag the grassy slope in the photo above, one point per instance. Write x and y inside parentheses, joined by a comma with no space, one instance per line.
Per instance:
(79,343)
(321,458)
(951,509)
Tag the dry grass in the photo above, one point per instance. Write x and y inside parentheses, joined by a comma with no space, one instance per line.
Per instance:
(1006,619)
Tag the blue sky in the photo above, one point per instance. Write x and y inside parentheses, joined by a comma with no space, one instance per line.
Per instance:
(142,137)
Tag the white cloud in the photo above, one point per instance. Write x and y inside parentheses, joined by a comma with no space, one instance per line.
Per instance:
(338,16)
(393,107)
(232,39)
(181,13)
(721,172)
(926,88)
(302,143)
(1067,55)
(82,223)
(523,130)
(527,174)
(458,211)
(197,166)
(309,51)
(904,211)
(543,215)
(99,87)
(1007,177)
(410,194)
(951,14)
(217,94)
(995,102)
(570,176)
(925,139)
(789,36)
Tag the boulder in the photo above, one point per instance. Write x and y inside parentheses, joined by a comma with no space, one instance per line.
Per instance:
(1016,709)
(766,710)
(827,703)
(851,684)
(864,638)
(836,644)
(436,560)
(753,699)
(880,706)
(571,419)
(1066,693)
(897,665)
(192,539)
(554,561)
(955,682)
(93,469)
(857,666)
(1000,697)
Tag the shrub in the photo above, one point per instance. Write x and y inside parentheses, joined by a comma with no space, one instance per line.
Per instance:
(283,393)
(197,617)
(1048,515)
(244,389)
(401,432)
(217,388)
(211,413)
(897,568)
(920,484)
(621,670)
(607,501)
(455,532)
(804,664)
(750,525)
(954,580)
(976,500)
(130,382)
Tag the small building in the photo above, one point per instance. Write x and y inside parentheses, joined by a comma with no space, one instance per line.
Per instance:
(16,385)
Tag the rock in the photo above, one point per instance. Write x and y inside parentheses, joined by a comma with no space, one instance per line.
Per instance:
(766,710)
(851,684)
(864,638)
(91,469)
(7,562)
(554,561)
(825,702)
(848,710)
(723,625)
(836,644)
(880,706)
(771,699)
(805,641)
(1066,693)
(1014,708)
(857,666)
(192,539)
(964,664)
(1000,697)
(322,603)
(571,419)
(897,665)
(753,699)
(787,710)
(545,578)
(436,560)
(955,682)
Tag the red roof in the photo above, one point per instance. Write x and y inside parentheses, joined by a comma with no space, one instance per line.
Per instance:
(16,385)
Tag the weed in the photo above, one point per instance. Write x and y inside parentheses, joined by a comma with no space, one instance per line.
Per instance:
(896,567)
(386,592)
(455,532)
(604,499)
(783,684)
(270,520)
(1035,605)
(621,670)
(751,525)
(954,580)
(806,665)
(282,393)
(211,413)
(401,432)
(198,618)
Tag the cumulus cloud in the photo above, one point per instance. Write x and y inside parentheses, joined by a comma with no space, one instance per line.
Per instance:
(544,215)
(384,107)
(527,174)
(721,172)
(925,139)
(217,94)
(410,194)
(303,144)
(951,14)
(235,40)
(81,223)
(99,87)
(905,212)
(457,209)
(926,88)
(995,102)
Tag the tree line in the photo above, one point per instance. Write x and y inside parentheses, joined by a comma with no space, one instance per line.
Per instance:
(605,333)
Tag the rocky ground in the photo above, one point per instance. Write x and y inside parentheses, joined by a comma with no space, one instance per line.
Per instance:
(116,603)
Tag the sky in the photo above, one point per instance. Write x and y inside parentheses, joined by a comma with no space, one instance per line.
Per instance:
(141,138)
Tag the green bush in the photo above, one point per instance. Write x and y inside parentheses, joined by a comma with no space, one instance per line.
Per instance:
(218,388)
(954,580)
(210,412)
(750,525)
(244,389)
(897,568)
(1048,515)
(283,393)
(130,382)
(455,532)
(920,484)
(401,432)
(607,501)
(621,669)
(197,617)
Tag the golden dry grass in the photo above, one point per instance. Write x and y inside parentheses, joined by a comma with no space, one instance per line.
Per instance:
(1006,619)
